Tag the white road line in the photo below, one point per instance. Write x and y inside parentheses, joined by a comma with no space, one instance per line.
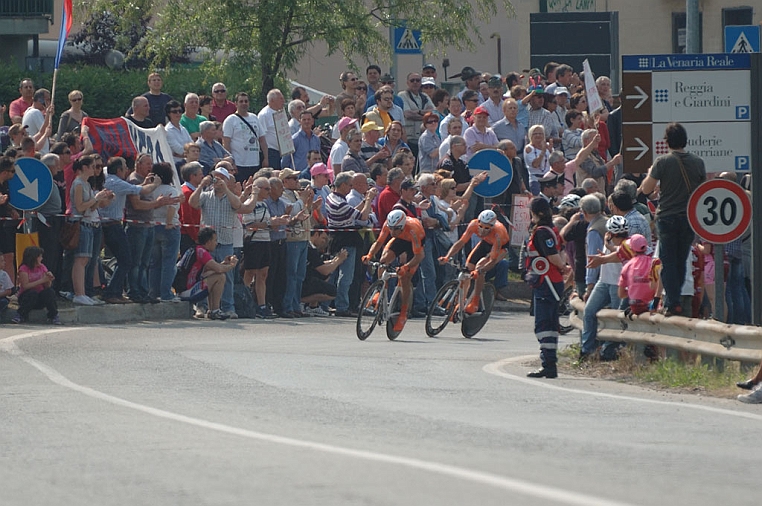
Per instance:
(556,495)
(495,368)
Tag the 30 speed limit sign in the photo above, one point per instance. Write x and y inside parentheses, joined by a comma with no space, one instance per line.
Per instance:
(719,211)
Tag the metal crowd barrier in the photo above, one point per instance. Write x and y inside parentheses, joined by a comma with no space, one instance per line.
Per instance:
(741,343)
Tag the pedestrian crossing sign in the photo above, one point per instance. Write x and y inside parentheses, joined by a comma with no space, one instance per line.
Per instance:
(742,39)
(407,41)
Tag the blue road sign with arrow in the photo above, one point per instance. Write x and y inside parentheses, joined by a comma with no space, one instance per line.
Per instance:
(32,185)
(499,168)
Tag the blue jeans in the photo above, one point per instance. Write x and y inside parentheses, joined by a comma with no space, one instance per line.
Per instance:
(163,267)
(499,274)
(739,304)
(675,238)
(546,323)
(296,269)
(116,240)
(227,302)
(344,276)
(603,295)
(141,240)
(424,294)
(94,260)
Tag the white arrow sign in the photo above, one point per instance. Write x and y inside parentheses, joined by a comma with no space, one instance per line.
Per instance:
(643,148)
(30,189)
(496,173)
(642,95)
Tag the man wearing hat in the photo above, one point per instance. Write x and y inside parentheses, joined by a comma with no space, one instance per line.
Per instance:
(416,104)
(304,142)
(480,136)
(538,115)
(429,70)
(429,86)
(471,79)
(321,178)
(385,80)
(562,101)
(219,206)
(550,182)
(371,150)
(340,147)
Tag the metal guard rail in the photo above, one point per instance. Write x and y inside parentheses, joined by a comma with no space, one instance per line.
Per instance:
(705,337)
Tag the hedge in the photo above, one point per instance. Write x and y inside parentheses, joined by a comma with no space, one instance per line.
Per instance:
(108,93)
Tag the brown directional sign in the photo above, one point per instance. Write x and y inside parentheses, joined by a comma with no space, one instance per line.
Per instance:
(637,148)
(636,97)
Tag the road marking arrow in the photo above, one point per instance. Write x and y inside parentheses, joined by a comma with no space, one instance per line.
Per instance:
(643,148)
(642,95)
(29,190)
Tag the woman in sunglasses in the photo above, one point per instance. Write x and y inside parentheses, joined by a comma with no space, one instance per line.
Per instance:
(71,119)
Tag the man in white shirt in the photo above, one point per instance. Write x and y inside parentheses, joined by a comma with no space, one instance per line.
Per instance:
(340,148)
(36,119)
(244,137)
(275,103)
(494,104)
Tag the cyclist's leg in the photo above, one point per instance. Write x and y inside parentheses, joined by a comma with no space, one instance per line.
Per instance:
(477,254)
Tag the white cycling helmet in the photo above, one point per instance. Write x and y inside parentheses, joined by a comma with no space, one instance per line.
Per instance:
(396,219)
(569,202)
(617,225)
(487,217)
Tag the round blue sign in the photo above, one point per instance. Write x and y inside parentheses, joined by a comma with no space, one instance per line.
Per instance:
(498,167)
(31,186)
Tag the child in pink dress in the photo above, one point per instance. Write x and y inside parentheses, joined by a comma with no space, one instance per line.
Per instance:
(639,276)
(35,290)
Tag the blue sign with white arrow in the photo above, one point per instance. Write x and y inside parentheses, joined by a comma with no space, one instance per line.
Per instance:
(32,185)
(498,167)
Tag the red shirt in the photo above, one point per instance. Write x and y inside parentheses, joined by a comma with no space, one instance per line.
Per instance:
(223,112)
(188,215)
(202,258)
(386,200)
(18,107)
(605,144)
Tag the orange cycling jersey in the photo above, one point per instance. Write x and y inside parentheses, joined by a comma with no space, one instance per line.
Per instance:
(412,232)
(497,237)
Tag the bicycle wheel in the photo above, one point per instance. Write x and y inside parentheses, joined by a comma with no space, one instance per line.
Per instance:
(441,309)
(565,310)
(370,310)
(395,305)
(473,323)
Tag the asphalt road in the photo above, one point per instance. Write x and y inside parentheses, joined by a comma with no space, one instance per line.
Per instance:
(302,413)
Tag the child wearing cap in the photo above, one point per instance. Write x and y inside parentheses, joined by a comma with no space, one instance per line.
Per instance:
(639,276)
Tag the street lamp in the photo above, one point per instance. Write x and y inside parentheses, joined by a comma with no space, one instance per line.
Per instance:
(499,53)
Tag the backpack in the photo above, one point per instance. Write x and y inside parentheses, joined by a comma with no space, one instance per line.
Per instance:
(184,266)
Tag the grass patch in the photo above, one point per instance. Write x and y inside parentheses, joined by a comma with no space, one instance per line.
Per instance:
(684,373)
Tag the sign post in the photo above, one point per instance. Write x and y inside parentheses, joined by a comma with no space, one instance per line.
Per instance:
(499,168)
(709,93)
(719,211)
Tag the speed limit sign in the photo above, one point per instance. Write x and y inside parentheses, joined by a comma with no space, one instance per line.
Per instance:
(719,211)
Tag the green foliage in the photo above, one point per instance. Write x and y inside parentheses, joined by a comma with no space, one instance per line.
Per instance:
(673,374)
(108,93)
(270,36)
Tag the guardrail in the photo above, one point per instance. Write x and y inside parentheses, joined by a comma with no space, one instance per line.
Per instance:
(742,343)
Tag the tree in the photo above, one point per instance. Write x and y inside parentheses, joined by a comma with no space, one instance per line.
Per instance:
(270,36)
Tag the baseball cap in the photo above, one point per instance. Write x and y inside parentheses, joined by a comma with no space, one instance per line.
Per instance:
(428,81)
(286,173)
(346,122)
(387,78)
(319,168)
(222,171)
(638,243)
(481,110)
(495,81)
(562,90)
(370,125)
(549,177)
(408,183)
(429,66)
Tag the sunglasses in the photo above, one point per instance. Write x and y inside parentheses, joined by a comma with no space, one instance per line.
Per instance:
(219,91)
(76,99)
(472,100)
(431,122)
(414,80)
(362,88)
(176,111)
(485,227)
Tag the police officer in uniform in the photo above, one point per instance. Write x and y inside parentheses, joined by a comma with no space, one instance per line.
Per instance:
(544,242)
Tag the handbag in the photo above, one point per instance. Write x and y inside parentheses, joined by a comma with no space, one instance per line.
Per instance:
(70,235)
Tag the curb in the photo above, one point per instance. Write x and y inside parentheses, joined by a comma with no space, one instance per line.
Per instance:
(117,313)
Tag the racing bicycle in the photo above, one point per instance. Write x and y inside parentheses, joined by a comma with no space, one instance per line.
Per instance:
(450,302)
(377,307)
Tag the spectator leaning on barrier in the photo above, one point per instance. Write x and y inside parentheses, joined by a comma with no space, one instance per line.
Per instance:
(114,234)
(341,218)
(679,173)
(219,207)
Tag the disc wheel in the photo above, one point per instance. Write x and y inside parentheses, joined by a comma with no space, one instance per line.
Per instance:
(441,309)
(473,323)
(394,312)
(370,310)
